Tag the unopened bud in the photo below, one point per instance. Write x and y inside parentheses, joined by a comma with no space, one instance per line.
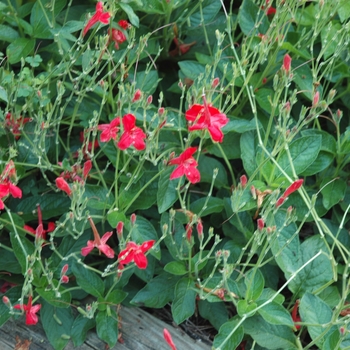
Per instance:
(137,95)
(339,114)
(64,279)
(253,191)
(261,224)
(189,230)
(6,300)
(86,169)
(120,227)
(161,110)
(243,179)
(133,218)
(215,83)
(64,269)
(287,60)
(200,229)
(342,330)
(316,99)
(149,99)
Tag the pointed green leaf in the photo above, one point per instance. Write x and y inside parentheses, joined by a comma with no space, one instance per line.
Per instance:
(107,326)
(332,191)
(63,298)
(184,300)
(20,48)
(215,313)
(254,281)
(22,248)
(176,268)
(248,152)
(275,313)
(229,336)
(80,328)
(88,280)
(166,194)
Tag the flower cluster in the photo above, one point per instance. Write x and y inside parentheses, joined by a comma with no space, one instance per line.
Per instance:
(132,135)
(30,311)
(15,124)
(99,16)
(118,35)
(6,184)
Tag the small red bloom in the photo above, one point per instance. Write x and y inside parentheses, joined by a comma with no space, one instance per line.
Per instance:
(98,242)
(109,131)
(99,16)
(207,117)
(169,339)
(187,166)
(62,185)
(40,232)
(261,224)
(15,125)
(117,36)
(30,311)
(287,60)
(124,24)
(86,169)
(243,179)
(292,188)
(136,253)
(132,135)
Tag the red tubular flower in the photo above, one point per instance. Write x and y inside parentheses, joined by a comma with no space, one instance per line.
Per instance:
(169,339)
(109,131)
(136,253)
(40,232)
(62,184)
(292,188)
(187,166)
(98,242)
(99,16)
(287,61)
(30,311)
(295,316)
(124,24)
(207,117)
(132,135)
(86,169)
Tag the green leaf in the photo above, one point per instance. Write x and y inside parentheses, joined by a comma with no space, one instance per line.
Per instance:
(248,152)
(191,69)
(333,192)
(303,153)
(7,33)
(62,300)
(147,82)
(151,7)
(158,292)
(98,197)
(230,146)
(88,280)
(317,273)
(330,38)
(18,49)
(275,313)
(214,205)
(215,313)
(116,297)
(302,75)
(107,326)
(42,12)
(184,302)
(134,20)
(323,161)
(166,194)
(300,52)
(177,268)
(239,126)
(243,307)
(114,217)
(9,260)
(143,231)
(286,246)
(252,19)
(57,323)
(344,10)
(268,335)
(254,281)
(315,313)
(209,9)
(3,94)
(229,336)
(22,248)
(264,97)
(206,165)
(80,328)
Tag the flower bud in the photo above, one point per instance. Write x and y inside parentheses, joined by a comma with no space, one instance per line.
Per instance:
(316,99)
(149,99)
(261,224)
(120,227)
(200,229)
(64,279)
(6,300)
(243,179)
(133,218)
(137,95)
(287,60)
(161,110)
(215,83)
(64,269)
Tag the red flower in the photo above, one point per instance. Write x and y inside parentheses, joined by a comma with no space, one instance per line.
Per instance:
(62,185)
(292,188)
(132,134)
(295,316)
(99,16)
(15,124)
(169,339)
(117,36)
(187,166)
(40,232)
(30,310)
(287,61)
(124,24)
(109,131)
(6,186)
(86,169)
(136,253)
(98,242)
(207,117)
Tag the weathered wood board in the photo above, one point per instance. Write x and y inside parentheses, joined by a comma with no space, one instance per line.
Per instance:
(140,331)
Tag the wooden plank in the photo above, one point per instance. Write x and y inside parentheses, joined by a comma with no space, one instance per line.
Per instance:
(140,331)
